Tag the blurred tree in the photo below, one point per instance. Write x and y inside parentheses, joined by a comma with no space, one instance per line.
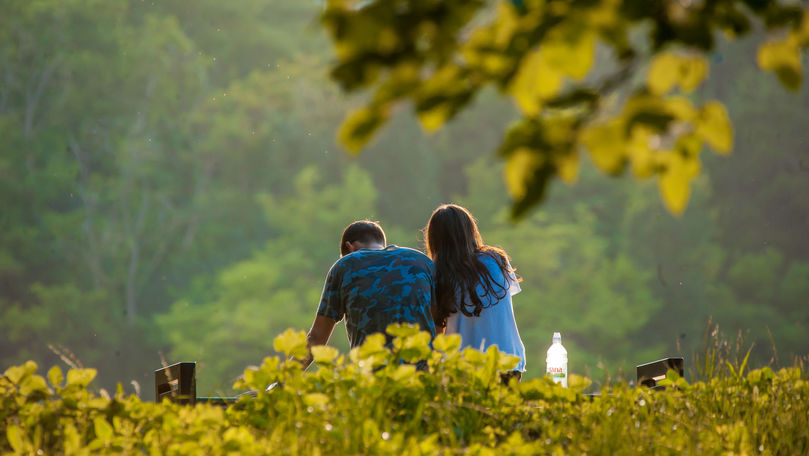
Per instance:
(439,55)
(277,288)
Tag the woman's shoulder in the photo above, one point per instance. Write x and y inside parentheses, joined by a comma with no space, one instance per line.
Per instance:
(492,258)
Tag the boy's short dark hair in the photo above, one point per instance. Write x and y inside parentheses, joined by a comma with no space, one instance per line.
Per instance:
(364,231)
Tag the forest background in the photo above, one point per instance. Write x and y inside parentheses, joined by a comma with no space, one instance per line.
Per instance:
(171,190)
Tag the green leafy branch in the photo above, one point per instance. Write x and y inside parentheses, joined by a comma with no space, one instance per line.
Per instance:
(568,66)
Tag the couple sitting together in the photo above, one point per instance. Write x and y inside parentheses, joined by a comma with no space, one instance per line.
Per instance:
(463,287)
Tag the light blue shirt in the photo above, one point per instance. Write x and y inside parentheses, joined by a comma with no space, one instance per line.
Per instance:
(496,324)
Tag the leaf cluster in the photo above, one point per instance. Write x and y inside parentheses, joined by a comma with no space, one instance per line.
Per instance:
(376,401)
(569,67)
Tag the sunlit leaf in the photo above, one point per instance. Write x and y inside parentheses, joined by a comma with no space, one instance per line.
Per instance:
(642,158)
(693,70)
(404,372)
(434,118)
(567,166)
(606,146)
(316,399)
(783,58)
(17,373)
(570,51)
(324,353)
(102,428)
(33,384)
(534,82)
(16,439)
(519,170)
(359,127)
(402,330)
(55,376)
(664,73)
(80,377)
(447,343)
(577,382)
(291,343)
(715,128)
(675,182)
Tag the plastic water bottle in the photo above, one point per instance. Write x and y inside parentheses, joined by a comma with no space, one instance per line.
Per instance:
(556,361)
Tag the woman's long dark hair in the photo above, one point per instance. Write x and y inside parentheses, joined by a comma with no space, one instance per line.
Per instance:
(454,243)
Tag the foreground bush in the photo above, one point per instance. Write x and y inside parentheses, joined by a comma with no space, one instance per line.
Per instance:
(370,402)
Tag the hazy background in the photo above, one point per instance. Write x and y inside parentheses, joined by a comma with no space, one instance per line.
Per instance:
(171,190)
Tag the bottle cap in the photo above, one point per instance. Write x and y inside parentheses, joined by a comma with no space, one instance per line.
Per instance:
(557,337)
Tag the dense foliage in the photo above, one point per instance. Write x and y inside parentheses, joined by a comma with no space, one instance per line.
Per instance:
(171,189)
(371,403)
(570,68)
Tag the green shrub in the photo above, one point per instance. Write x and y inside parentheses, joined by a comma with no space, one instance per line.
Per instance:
(375,401)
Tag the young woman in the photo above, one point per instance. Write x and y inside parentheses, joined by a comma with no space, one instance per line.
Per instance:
(474,285)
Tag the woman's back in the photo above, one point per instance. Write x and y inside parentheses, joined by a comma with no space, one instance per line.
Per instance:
(496,324)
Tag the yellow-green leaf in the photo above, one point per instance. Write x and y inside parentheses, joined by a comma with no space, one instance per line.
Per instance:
(324,353)
(402,330)
(693,70)
(782,57)
(316,399)
(55,376)
(571,51)
(102,428)
(675,182)
(713,125)
(447,343)
(33,384)
(359,126)
(16,439)
(432,119)
(80,377)
(17,373)
(643,159)
(606,145)
(567,166)
(534,82)
(291,343)
(520,168)
(664,73)
(374,344)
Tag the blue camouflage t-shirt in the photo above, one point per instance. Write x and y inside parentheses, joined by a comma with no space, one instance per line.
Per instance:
(375,288)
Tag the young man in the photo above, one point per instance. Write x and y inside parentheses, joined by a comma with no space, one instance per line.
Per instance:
(373,286)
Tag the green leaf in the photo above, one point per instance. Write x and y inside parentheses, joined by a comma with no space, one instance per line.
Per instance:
(291,343)
(55,376)
(80,377)
(102,428)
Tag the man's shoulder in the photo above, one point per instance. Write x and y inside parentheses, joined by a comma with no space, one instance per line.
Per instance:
(408,254)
